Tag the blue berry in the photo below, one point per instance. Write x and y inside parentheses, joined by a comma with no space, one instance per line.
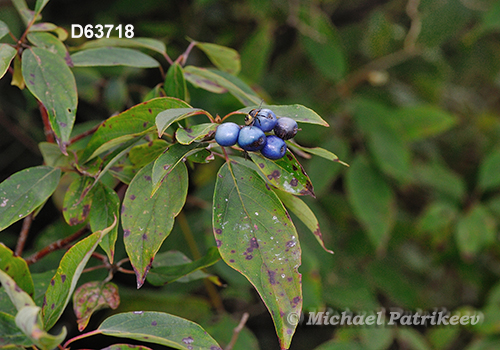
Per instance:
(286,128)
(227,134)
(251,138)
(265,119)
(275,148)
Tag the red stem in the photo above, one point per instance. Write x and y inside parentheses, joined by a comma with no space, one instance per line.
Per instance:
(49,134)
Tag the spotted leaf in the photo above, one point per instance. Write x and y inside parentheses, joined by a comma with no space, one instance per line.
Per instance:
(147,220)
(286,174)
(17,268)
(197,132)
(158,328)
(63,283)
(256,237)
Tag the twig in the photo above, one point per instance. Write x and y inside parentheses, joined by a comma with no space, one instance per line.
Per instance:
(84,134)
(237,330)
(415,26)
(55,246)
(23,235)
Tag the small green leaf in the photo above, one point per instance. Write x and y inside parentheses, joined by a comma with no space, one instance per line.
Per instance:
(134,122)
(53,157)
(418,122)
(64,282)
(142,43)
(172,266)
(113,56)
(11,334)
(318,151)
(286,174)
(159,328)
(23,10)
(256,237)
(19,297)
(438,177)
(198,132)
(474,231)
(296,112)
(411,339)
(62,34)
(256,51)
(147,220)
(25,191)
(49,79)
(372,201)
(175,84)
(17,268)
(77,200)
(305,214)
(322,44)
(224,58)
(489,171)
(105,207)
(169,116)
(437,220)
(219,82)
(29,321)
(167,162)
(93,296)
(40,4)
(7,54)
(4,29)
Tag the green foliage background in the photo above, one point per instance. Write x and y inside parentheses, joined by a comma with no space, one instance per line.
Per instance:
(411,92)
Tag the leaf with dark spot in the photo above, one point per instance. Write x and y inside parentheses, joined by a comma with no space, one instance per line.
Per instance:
(71,266)
(51,81)
(148,219)
(17,268)
(78,200)
(197,133)
(286,174)
(296,112)
(93,296)
(170,330)
(255,233)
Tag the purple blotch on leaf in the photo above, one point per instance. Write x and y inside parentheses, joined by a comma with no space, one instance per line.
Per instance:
(144,236)
(132,197)
(63,278)
(188,340)
(126,233)
(218,242)
(154,323)
(249,257)
(271,275)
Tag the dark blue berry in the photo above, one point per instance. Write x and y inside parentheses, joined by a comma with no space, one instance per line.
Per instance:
(265,120)
(227,134)
(285,128)
(275,148)
(251,138)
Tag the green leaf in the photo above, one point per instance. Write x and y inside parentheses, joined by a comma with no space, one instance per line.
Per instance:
(322,44)
(29,321)
(299,113)
(256,237)
(224,58)
(53,157)
(4,29)
(167,117)
(113,56)
(379,36)
(305,214)
(144,154)
(286,174)
(7,54)
(372,201)
(25,191)
(475,230)
(11,334)
(318,151)
(19,297)
(172,266)
(411,339)
(198,132)
(40,4)
(105,207)
(133,122)
(63,283)
(49,79)
(256,51)
(168,161)
(77,200)
(17,268)
(220,82)
(437,220)
(175,84)
(142,43)
(147,220)
(23,10)
(489,171)
(62,34)
(159,328)
(414,123)
(93,296)
(441,179)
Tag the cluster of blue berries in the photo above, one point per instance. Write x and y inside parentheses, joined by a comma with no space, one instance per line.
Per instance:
(252,137)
